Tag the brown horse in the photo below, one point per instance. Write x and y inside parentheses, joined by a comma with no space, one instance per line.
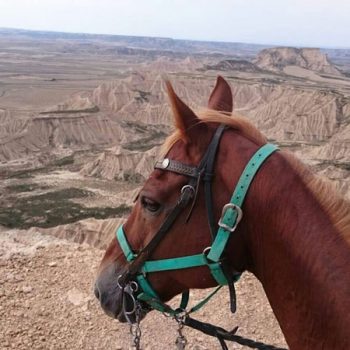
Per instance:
(294,235)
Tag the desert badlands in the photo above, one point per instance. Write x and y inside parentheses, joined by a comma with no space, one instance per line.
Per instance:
(81,121)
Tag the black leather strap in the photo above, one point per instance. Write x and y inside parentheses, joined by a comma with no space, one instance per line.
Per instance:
(144,254)
(208,177)
(177,167)
(221,334)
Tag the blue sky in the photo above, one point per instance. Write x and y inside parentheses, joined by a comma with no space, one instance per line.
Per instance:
(322,23)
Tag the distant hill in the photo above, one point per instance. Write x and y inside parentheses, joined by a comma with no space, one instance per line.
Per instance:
(237,65)
(276,59)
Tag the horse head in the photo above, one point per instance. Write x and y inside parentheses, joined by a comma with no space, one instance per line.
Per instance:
(190,232)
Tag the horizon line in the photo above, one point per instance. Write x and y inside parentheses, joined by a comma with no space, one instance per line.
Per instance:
(177,39)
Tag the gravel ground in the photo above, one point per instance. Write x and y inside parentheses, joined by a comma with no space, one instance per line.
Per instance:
(46,302)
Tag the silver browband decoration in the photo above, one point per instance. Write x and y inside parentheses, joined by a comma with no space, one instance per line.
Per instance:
(177,167)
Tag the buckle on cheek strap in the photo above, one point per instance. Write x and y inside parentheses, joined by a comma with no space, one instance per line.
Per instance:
(232,212)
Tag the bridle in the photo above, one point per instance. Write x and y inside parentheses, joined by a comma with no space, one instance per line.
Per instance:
(188,194)
(134,279)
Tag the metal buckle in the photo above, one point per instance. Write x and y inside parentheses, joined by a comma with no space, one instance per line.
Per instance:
(206,251)
(188,187)
(238,219)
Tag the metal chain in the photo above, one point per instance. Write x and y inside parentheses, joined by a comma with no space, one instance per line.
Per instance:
(136,309)
(135,329)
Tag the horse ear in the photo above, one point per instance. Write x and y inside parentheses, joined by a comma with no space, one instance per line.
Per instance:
(221,96)
(183,115)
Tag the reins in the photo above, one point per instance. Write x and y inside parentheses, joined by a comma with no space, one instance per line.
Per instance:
(133,281)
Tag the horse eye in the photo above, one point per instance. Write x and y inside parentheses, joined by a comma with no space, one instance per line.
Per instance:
(150,204)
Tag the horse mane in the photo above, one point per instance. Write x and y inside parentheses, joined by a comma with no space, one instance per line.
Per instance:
(334,205)
(234,121)
(337,207)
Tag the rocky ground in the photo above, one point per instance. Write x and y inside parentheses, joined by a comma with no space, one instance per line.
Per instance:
(46,302)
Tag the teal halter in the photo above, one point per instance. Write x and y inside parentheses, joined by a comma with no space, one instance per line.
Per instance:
(211,256)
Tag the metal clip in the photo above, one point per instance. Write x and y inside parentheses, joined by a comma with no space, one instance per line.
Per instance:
(181,340)
(238,219)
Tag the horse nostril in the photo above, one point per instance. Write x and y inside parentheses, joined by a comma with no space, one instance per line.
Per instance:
(97,292)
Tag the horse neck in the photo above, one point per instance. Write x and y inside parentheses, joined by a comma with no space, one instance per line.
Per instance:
(298,255)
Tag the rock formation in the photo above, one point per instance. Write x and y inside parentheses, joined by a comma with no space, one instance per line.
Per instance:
(118,163)
(236,65)
(276,59)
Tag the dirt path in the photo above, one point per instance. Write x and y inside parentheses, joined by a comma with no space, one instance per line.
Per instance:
(46,302)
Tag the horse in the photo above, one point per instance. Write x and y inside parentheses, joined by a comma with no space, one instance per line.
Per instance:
(292,231)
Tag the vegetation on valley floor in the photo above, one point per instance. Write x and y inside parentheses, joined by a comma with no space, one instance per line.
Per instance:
(24,187)
(152,135)
(53,208)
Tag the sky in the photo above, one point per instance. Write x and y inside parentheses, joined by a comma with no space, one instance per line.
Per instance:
(316,23)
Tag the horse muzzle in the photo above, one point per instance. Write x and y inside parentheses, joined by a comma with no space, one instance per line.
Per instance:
(116,301)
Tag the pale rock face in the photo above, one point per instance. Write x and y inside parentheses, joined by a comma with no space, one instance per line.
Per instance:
(74,104)
(142,96)
(276,59)
(46,132)
(120,164)
(97,233)
(284,113)
(313,119)
(338,147)
(281,112)
(167,65)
